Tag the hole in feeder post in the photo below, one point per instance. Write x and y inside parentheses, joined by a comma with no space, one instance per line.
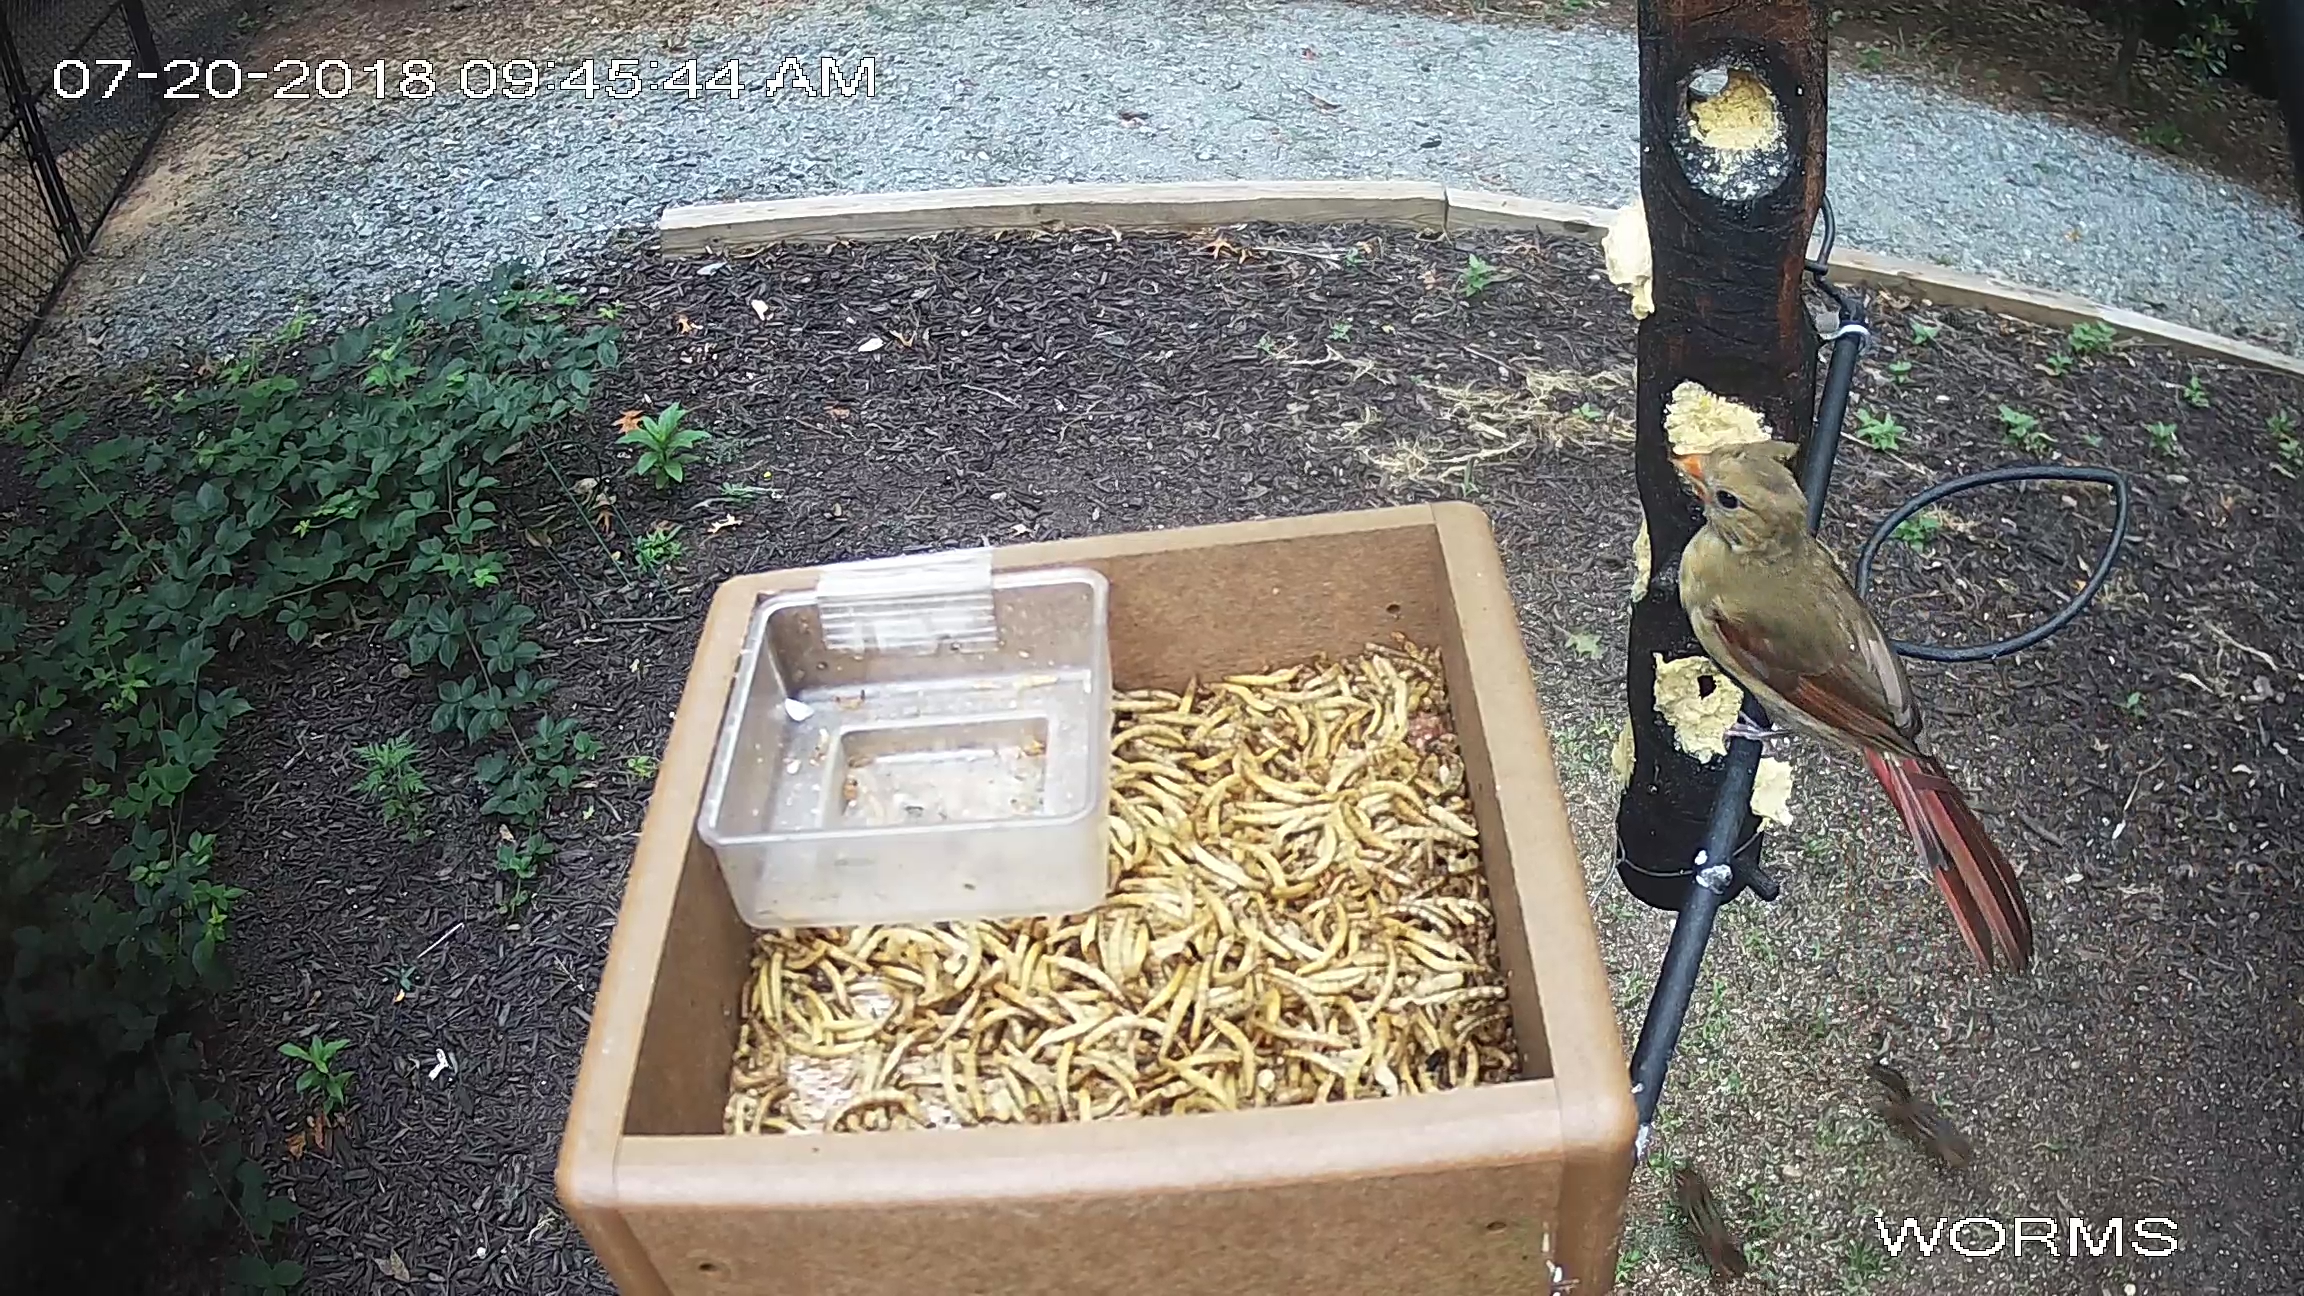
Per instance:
(1729,135)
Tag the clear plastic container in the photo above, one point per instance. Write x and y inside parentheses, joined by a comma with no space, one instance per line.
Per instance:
(917,740)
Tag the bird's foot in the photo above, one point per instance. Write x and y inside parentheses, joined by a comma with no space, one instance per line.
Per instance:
(1738,728)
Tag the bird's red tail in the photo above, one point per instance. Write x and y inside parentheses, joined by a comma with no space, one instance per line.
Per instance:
(1987,901)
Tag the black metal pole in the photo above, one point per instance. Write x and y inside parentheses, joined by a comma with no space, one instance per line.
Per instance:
(1823,445)
(1691,932)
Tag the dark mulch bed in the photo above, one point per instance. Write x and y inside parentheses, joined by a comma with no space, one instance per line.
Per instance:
(1057,386)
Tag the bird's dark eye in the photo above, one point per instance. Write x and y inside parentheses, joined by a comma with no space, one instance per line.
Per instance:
(1727,499)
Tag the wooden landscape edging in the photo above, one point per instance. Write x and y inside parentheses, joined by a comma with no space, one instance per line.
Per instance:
(727,226)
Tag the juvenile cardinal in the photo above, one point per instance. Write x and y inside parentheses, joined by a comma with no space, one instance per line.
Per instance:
(1771,606)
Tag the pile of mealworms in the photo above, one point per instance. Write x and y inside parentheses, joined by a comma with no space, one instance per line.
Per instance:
(1298,915)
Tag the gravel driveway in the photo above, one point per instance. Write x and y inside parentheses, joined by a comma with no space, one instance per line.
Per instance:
(256,206)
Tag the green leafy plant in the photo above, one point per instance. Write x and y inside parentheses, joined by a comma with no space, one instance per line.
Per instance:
(2133,704)
(2058,364)
(641,767)
(664,441)
(1628,1260)
(320,1075)
(1589,412)
(1340,331)
(283,496)
(1924,332)
(550,759)
(1880,431)
(1863,1264)
(2209,36)
(2163,135)
(1476,277)
(390,776)
(518,861)
(2024,432)
(255,1276)
(1899,371)
(2194,392)
(2285,445)
(2091,338)
(96,982)
(1920,529)
(2163,437)
(1872,59)
(659,548)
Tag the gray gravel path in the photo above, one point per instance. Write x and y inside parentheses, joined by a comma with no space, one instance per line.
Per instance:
(255,207)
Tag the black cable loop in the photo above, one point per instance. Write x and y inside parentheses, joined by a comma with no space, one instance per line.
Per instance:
(1993,477)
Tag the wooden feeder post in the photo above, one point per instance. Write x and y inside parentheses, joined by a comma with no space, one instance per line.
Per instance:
(1731,177)
(1728,231)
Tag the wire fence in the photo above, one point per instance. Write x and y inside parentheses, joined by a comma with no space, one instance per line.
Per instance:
(70,148)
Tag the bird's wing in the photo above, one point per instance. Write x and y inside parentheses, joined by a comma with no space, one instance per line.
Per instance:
(1877,657)
(1836,685)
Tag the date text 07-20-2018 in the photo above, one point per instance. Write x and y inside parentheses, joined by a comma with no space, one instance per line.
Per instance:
(823,76)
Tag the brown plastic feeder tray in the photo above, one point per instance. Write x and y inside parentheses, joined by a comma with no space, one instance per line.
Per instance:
(1470,1192)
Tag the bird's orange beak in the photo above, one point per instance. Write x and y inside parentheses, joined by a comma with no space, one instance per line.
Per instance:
(1692,468)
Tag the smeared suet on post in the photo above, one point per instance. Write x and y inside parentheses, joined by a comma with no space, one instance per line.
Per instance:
(1699,701)
(1624,254)
(1642,562)
(1620,755)
(1741,117)
(1772,792)
(1698,419)
(1731,143)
